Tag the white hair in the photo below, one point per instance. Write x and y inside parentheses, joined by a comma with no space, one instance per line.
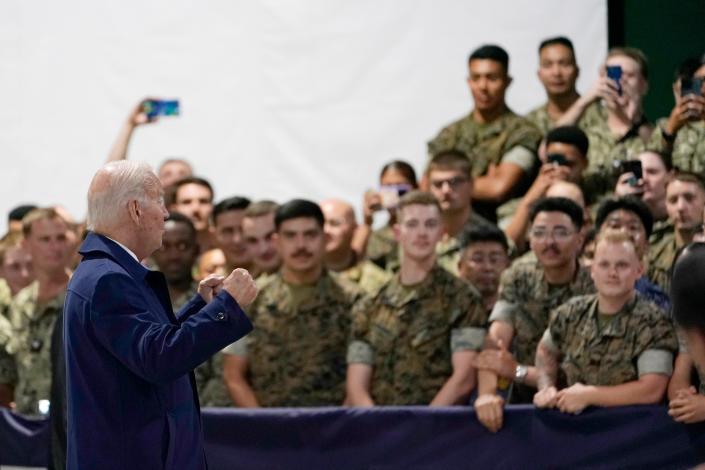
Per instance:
(113,186)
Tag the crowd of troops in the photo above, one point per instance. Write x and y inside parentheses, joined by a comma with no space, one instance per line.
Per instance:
(529,262)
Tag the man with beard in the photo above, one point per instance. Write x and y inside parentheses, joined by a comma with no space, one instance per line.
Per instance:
(528,292)
(295,355)
(413,342)
(258,230)
(227,220)
(340,257)
(175,259)
(484,258)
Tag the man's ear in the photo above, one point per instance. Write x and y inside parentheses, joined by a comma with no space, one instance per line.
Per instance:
(135,211)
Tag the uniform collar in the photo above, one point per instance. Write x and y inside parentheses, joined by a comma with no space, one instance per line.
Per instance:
(96,244)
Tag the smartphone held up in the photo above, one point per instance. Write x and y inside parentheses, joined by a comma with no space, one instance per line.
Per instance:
(154,108)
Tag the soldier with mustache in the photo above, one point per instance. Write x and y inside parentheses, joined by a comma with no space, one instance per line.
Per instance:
(528,291)
(296,354)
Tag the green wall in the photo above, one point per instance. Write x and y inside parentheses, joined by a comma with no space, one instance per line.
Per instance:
(667,32)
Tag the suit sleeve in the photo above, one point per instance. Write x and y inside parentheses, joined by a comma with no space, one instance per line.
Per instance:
(191,307)
(159,351)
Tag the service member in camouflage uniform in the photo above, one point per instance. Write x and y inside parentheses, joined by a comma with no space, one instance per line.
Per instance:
(15,269)
(558,73)
(500,145)
(451,183)
(528,291)
(36,308)
(685,199)
(485,256)
(295,356)
(613,348)
(683,133)
(339,229)
(414,341)
(611,114)
(380,246)
(258,230)
(175,259)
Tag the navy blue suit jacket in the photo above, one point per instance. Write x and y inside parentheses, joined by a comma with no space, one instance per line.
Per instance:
(131,396)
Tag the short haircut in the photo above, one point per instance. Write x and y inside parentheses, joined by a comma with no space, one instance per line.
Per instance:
(628,203)
(19,212)
(687,293)
(260,208)
(416,197)
(402,167)
(616,236)
(688,67)
(175,160)
(558,41)
(450,160)
(570,135)
(635,54)
(42,213)
(558,204)
(192,180)
(10,240)
(235,203)
(182,219)
(689,177)
(482,233)
(665,157)
(298,208)
(491,52)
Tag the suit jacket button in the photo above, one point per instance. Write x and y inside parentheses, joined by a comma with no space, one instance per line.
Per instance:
(220,316)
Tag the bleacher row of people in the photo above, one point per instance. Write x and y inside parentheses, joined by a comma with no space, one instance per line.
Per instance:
(529,263)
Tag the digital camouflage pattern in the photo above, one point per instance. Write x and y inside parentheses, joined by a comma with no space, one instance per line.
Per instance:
(366,275)
(526,300)
(688,149)
(405,333)
(540,119)
(660,259)
(296,352)
(608,356)
(606,150)
(5,298)
(448,250)
(486,144)
(209,375)
(382,247)
(29,344)
(8,370)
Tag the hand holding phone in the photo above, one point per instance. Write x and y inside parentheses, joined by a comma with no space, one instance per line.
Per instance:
(614,72)
(155,108)
(634,167)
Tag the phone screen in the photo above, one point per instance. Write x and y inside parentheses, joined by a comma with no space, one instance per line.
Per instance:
(615,73)
(154,108)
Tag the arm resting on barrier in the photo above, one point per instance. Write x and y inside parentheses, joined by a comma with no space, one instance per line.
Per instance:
(357,385)
(458,387)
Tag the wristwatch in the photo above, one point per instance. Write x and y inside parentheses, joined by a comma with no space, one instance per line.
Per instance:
(520,373)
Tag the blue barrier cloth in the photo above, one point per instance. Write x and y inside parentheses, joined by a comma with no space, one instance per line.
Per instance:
(417,438)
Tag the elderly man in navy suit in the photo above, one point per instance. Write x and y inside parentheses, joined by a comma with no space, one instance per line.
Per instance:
(132,402)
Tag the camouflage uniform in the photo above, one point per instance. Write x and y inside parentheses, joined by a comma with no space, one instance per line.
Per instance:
(540,119)
(688,148)
(637,340)
(29,343)
(525,301)
(8,369)
(408,333)
(448,250)
(296,352)
(491,144)
(660,259)
(365,274)
(382,247)
(5,297)
(605,150)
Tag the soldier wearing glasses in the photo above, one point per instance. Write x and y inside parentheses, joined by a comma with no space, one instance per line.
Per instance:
(528,291)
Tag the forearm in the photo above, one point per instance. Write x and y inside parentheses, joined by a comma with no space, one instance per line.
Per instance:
(490,189)
(360,238)
(516,230)
(486,382)
(234,376)
(455,391)
(575,112)
(357,385)
(680,380)
(6,395)
(546,369)
(637,392)
(122,142)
